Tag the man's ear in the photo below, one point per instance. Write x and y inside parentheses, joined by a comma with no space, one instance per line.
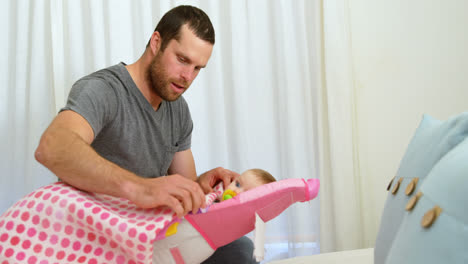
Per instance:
(155,42)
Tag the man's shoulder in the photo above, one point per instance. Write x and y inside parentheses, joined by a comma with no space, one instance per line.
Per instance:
(106,74)
(113,78)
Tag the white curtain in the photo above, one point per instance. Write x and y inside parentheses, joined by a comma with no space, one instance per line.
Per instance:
(265,100)
(256,104)
(342,191)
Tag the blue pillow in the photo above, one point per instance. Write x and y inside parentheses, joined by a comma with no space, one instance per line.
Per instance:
(435,228)
(432,140)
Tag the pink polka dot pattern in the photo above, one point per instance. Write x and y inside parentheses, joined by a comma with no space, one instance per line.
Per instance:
(60,224)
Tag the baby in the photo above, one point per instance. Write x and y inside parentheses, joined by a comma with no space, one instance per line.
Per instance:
(249,179)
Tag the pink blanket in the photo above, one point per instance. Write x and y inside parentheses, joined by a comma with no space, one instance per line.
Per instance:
(59,224)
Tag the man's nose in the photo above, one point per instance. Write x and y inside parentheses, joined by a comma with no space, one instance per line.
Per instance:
(187,74)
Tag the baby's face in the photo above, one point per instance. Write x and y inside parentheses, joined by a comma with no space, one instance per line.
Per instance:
(245,182)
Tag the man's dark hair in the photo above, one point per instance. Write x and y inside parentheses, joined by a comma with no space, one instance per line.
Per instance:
(198,21)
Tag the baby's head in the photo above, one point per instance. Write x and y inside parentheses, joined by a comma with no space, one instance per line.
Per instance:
(250,179)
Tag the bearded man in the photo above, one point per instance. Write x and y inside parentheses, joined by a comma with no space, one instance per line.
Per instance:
(125,127)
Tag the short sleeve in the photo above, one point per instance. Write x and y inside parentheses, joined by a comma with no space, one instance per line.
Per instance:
(186,125)
(95,101)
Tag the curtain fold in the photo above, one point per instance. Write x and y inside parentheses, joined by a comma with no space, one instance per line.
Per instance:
(28,100)
(264,100)
(340,200)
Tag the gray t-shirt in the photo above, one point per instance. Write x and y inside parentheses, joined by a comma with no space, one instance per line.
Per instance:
(127,130)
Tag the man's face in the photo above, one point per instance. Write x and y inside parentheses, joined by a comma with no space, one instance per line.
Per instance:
(173,70)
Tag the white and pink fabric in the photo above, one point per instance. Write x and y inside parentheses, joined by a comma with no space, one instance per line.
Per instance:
(60,224)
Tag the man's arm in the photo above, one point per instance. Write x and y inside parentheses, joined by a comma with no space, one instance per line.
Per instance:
(65,149)
(184,164)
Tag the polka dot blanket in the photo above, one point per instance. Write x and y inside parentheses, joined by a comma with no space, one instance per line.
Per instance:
(60,224)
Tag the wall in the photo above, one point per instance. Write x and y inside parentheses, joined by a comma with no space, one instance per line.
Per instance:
(408,58)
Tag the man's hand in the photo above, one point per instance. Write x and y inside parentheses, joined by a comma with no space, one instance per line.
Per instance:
(175,191)
(210,178)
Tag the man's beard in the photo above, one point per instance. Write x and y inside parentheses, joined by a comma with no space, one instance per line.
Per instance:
(159,80)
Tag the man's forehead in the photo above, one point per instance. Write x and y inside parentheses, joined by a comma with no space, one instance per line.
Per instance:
(192,46)
(185,34)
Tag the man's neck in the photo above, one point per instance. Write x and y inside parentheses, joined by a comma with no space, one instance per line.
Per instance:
(138,72)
